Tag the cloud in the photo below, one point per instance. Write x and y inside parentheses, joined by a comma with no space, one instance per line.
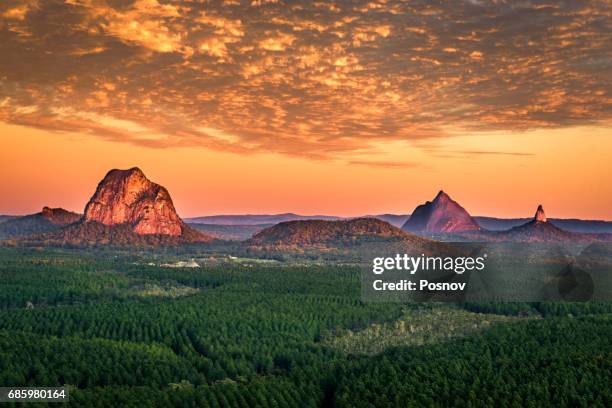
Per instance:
(385,164)
(17,10)
(145,23)
(473,153)
(224,31)
(319,80)
(492,153)
(277,42)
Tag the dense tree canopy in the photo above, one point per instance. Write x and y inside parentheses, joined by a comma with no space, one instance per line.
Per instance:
(121,332)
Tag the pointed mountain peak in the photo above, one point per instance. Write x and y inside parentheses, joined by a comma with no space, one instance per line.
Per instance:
(540,216)
(442,196)
(442,215)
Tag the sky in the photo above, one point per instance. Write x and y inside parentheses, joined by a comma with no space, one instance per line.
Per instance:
(344,108)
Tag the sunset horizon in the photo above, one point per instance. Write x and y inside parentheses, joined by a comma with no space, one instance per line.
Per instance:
(426,195)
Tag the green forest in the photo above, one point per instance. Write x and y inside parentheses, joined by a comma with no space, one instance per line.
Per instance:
(117,329)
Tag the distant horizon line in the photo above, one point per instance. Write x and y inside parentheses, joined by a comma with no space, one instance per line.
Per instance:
(383,213)
(273,214)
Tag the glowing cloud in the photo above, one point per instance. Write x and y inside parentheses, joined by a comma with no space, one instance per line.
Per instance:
(318,79)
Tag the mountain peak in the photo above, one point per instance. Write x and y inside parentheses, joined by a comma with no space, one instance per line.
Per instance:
(135,171)
(540,216)
(539,230)
(129,197)
(442,196)
(442,215)
(125,173)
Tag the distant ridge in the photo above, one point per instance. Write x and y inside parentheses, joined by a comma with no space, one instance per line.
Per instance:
(442,215)
(49,219)
(568,224)
(230,232)
(238,231)
(397,220)
(4,218)
(240,227)
(255,219)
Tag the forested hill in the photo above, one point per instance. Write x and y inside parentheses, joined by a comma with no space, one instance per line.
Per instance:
(319,232)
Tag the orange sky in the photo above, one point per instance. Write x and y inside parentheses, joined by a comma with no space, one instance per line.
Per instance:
(568,172)
(342,108)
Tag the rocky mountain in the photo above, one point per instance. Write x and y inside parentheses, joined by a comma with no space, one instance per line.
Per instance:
(539,229)
(49,219)
(568,224)
(128,197)
(540,215)
(126,209)
(442,215)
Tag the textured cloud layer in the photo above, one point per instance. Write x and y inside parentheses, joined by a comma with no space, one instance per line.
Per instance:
(314,79)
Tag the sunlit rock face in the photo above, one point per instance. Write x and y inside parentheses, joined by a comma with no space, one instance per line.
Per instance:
(128,197)
(442,215)
(540,216)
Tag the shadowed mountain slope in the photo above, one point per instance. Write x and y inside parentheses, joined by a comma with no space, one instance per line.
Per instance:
(49,219)
(442,215)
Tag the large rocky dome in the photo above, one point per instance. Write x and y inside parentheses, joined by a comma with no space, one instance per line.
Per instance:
(127,209)
(128,197)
